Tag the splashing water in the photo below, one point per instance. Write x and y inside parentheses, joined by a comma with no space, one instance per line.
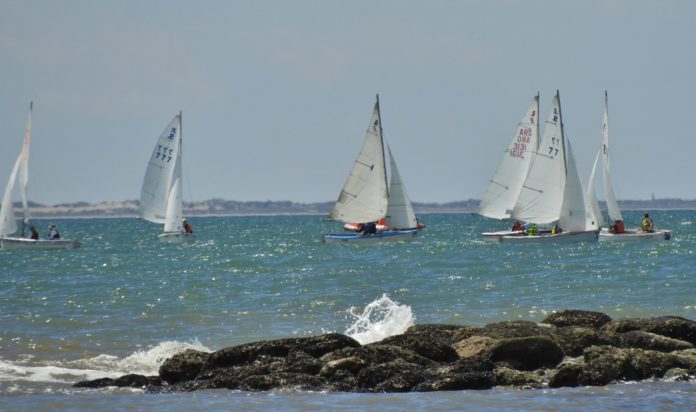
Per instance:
(380,319)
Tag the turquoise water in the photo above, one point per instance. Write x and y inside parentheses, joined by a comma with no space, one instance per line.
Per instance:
(124,302)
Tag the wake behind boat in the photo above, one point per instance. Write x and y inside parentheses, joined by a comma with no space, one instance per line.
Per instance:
(160,197)
(365,197)
(617,230)
(8,223)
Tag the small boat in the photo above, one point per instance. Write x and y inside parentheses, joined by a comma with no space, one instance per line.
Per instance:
(160,197)
(611,233)
(506,185)
(552,192)
(8,223)
(365,197)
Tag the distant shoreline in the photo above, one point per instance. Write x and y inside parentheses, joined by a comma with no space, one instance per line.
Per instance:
(220,207)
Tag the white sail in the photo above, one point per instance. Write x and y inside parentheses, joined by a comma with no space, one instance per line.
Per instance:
(541,197)
(400,213)
(591,196)
(612,204)
(364,195)
(173,214)
(505,187)
(160,175)
(574,215)
(8,224)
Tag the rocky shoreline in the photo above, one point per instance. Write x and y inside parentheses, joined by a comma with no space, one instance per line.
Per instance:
(567,349)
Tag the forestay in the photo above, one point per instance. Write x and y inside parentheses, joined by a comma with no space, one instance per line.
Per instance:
(505,187)
(364,195)
(541,197)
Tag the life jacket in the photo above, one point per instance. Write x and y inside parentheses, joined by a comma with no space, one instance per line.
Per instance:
(532,229)
(646,224)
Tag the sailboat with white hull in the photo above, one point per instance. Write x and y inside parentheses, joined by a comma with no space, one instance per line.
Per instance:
(365,197)
(552,192)
(160,197)
(8,223)
(506,185)
(615,231)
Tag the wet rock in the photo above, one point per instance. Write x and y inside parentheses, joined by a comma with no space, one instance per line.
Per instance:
(284,380)
(182,366)
(504,376)
(474,346)
(582,318)
(678,375)
(376,353)
(465,333)
(652,341)
(125,381)
(351,364)
(567,375)
(619,326)
(514,329)
(439,333)
(574,339)
(674,327)
(95,383)
(528,353)
(434,346)
(394,376)
(457,381)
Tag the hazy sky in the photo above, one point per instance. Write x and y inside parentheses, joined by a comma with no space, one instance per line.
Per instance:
(276,95)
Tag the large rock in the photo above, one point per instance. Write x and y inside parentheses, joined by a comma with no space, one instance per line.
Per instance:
(504,376)
(527,353)
(394,376)
(652,341)
(583,318)
(125,381)
(475,346)
(429,345)
(514,329)
(182,366)
(457,381)
(670,326)
(567,375)
(574,339)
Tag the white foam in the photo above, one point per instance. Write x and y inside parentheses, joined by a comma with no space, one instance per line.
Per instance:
(380,319)
(103,366)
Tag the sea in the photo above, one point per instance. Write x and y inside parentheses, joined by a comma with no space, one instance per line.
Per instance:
(124,302)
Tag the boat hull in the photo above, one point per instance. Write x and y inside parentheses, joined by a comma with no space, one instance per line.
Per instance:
(174,237)
(9,243)
(563,237)
(633,235)
(495,236)
(386,236)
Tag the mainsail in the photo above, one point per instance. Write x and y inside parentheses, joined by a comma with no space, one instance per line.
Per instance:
(574,215)
(8,224)
(612,204)
(505,187)
(541,197)
(400,213)
(162,182)
(364,196)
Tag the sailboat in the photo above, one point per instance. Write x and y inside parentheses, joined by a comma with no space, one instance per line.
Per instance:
(614,212)
(552,192)
(160,197)
(366,198)
(8,223)
(506,185)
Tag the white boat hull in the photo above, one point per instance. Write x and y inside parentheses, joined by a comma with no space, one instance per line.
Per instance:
(175,237)
(495,236)
(547,237)
(386,236)
(31,244)
(634,234)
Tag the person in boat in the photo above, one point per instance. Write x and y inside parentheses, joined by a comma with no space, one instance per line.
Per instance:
(617,227)
(531,230)
(34,232)
(555,229)
(187,227)
(53,232)
(647,223)
(517,226)
(369,228)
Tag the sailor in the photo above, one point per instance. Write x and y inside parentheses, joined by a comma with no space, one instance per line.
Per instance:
(647,223)
(34,232)
(187,227)
(531,230)
(53,232)
(617,227)
(369,228)
(517,226)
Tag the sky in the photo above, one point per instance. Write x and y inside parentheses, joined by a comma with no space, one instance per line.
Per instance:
(277,95)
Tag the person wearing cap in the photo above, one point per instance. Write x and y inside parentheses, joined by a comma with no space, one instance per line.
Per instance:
(53,232)
(187,227)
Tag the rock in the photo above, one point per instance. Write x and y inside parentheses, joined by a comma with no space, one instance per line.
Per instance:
(182,366)
(528,353)
(441,333)
(375,354)
(474,346)
(504,376)
(514,329)
(125,381)
(674,327)
(574,339)
(315,346)
(678,375)
(394,376)
(582,318)
(430,345)
(567,375)
(457,381)
(625,325)
(652,341)
(95,383)
(465,332)
(291,381)
(351,364)
(603,365)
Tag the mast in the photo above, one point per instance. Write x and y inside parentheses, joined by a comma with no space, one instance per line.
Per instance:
(560,116)
(538,140)
(381,141)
